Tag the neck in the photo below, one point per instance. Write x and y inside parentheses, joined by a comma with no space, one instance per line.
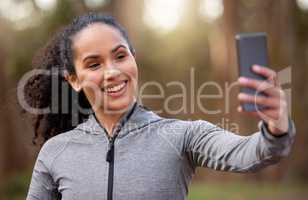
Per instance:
(109,120)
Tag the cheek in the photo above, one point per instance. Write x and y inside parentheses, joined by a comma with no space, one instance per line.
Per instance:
(90,83)
(91,77)
(131,70)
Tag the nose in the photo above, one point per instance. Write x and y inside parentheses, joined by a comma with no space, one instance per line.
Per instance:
(111,72)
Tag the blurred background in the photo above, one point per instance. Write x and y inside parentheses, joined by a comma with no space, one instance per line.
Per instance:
(171,37)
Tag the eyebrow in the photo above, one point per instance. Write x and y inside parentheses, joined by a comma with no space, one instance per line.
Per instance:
(117,47)
(95,56)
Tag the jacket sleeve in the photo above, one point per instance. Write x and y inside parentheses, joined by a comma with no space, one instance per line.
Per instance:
(42,186)
(207,145)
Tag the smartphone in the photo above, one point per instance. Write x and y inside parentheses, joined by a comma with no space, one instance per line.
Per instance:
(251,49)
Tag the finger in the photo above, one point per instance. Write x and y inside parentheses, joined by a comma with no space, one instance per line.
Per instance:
(260,100)
(264,71)
(259,86)
(248,113)
(268,73)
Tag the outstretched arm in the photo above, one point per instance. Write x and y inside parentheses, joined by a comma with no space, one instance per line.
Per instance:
(210,146)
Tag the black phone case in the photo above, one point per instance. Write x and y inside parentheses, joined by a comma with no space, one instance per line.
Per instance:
(251,49)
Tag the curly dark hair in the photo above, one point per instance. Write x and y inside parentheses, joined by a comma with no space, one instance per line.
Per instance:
(57,57)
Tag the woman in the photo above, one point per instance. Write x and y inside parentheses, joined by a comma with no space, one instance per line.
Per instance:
(122,150)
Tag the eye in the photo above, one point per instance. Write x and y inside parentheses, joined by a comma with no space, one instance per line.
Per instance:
(94,65)
(121,56)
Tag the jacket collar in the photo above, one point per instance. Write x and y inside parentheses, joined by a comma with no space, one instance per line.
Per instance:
(134,118)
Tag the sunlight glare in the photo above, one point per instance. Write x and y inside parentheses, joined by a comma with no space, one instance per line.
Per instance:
(211,9)
(302,4)
(46,4)
(163,14)
(15,11)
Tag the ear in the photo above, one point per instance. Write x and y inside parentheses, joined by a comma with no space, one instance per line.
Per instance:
(72,79)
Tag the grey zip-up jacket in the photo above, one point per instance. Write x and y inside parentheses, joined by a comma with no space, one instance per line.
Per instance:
(148,158)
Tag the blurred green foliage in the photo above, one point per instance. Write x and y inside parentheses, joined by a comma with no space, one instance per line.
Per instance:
(16,187)
(248,191)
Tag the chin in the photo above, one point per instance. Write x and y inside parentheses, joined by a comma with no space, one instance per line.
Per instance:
(120,105)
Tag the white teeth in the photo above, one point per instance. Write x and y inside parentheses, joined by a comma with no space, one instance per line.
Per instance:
(116,88)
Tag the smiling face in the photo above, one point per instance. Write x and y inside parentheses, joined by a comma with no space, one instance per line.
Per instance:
(105,68)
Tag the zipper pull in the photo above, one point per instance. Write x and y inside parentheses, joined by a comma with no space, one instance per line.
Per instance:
(110,151)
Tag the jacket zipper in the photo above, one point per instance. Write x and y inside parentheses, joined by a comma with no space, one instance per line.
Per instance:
(110,154)
(110,159)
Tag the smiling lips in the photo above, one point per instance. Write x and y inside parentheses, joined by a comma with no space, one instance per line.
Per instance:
(115,89)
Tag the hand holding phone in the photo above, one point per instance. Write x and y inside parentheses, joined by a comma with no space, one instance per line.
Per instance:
(251,50)
(261,94)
